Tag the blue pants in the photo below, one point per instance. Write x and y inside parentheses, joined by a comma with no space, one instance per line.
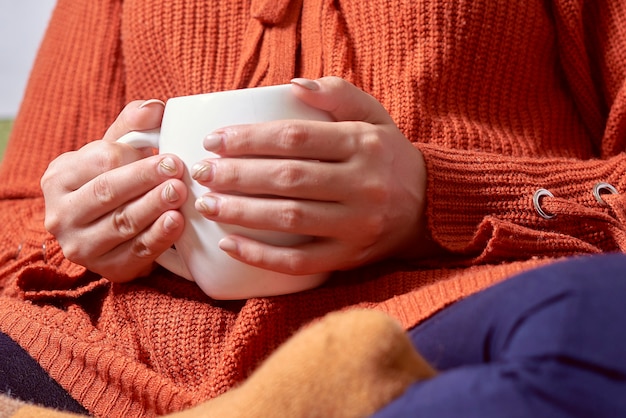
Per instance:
(547,343)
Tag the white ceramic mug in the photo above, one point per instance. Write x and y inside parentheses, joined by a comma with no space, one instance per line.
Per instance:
(197,257)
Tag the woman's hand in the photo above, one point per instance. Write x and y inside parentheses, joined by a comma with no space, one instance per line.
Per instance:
(357,185)
(112,208)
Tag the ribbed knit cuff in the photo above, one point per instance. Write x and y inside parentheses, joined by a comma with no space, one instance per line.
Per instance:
(473,196)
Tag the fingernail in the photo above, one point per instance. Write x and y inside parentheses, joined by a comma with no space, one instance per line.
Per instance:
(207,205)
(228,245)
(170,194)
(306,83)
(202,172)
(151,101)
(170,224)
(213,141)
(167,166)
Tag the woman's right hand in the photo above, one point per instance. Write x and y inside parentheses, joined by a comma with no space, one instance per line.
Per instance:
(112,208)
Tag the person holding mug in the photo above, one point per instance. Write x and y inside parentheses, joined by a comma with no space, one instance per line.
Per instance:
(306,164)
(472,161)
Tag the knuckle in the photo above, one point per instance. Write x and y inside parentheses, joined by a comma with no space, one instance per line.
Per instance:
(124,224)
(291,262)
(44,182)
(227,174)
(139,249)
(291,217)
(48,175)
(255,258)
(289,175)
(372,144)
(374,227)
(292,135)
(297,263)
(143,178)
(102,189)
(108,157)
(52,222)
(378,192)
(74,252)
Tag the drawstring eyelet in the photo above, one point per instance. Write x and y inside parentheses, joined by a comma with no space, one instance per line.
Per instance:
(540,194)
(44,252)
(603,187)
(19,250)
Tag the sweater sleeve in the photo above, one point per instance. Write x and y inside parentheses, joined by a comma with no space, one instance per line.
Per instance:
(480,204)
(75,91)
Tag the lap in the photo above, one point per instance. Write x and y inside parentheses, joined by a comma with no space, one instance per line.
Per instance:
(546,343)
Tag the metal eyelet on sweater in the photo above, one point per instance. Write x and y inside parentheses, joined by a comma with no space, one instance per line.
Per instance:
(540,194)
(19,250)
(603,187)
(44,254)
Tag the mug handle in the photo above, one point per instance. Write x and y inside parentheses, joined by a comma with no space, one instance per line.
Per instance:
(170,259)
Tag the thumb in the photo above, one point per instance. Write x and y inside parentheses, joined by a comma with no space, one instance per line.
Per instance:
(343,100)
(136,116)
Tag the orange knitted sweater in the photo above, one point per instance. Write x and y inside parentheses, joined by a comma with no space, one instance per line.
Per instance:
(502,98)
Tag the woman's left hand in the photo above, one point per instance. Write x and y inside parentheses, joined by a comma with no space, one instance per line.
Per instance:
(357,184)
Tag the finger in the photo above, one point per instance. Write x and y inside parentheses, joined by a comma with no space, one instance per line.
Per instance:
(95,239)
(314,257)
(136,116)
(126,222)
(135,257)
(284,215)
(302,139)
(72,170)
(116,187)
(343,100)
(298,179)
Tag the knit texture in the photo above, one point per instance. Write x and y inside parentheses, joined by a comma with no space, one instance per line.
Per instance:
(502,98)
(379,366)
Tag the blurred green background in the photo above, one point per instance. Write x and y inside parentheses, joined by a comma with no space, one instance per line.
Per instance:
(5,129)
